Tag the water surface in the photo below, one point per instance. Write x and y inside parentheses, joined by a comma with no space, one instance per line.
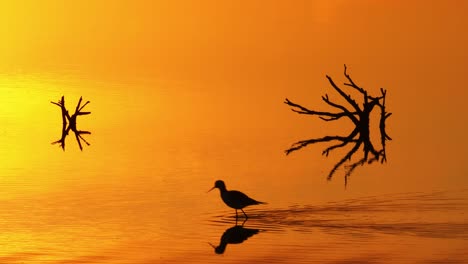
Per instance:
(137,194)
(184,93)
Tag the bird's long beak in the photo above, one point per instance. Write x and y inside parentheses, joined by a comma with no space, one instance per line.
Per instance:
(211,189)
(212,245)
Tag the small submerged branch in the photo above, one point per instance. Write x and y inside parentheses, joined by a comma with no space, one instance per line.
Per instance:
(78,137)
(352,167)
(303,143)
(348,156)
(360,118)
(349,139)
(69,122)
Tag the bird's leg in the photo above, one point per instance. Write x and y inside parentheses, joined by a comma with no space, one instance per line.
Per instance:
(236,214)
(245,214)
(245,220)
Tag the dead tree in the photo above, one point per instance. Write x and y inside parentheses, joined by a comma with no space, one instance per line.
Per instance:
(69,123)
(359,116)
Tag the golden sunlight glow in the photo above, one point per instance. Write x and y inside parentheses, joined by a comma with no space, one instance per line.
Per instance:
(186,92)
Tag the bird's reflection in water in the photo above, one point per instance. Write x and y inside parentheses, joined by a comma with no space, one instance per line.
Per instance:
(234,235)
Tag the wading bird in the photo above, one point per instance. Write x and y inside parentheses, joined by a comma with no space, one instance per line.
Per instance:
(234,199)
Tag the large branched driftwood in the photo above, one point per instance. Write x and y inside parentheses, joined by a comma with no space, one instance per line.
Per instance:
(69,123)
(359,115)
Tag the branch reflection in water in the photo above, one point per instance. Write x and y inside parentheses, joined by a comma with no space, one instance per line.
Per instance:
(359,116)
(69,123)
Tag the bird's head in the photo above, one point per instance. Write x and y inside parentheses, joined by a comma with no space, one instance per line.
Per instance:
(218,249)
(219,184)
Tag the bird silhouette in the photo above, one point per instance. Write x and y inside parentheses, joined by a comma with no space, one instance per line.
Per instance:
(234,235)
(234,199)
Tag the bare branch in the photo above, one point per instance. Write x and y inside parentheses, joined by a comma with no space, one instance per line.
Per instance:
(303,143)
(332,118)
(327,100)
(352,83)
(78,105)
(349,114)
(306,111)
(340,145)
(78,137)
(79,110)
(361,133)
(349,139)
(71,123)
(344,95)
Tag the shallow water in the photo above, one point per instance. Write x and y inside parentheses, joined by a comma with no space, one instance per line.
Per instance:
(137,193)
(184,93)
(125,228)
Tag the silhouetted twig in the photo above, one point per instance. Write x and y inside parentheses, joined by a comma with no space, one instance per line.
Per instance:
(69,123)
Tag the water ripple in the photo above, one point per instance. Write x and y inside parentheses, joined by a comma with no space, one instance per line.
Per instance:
(433,215)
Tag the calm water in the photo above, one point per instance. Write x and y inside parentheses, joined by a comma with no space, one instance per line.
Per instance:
(137,194)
